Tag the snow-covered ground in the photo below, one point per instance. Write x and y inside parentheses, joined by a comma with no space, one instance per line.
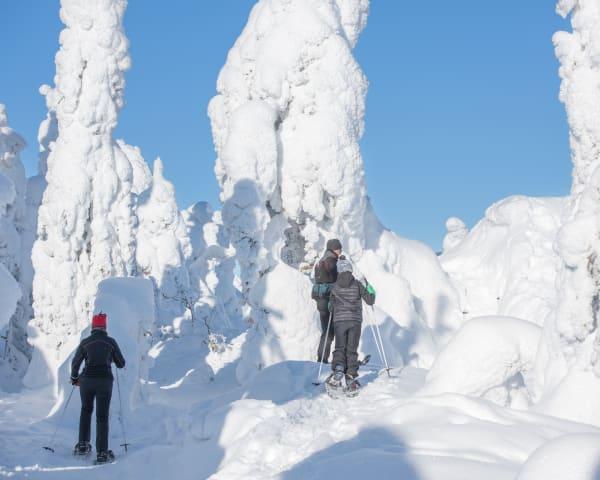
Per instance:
(282,426)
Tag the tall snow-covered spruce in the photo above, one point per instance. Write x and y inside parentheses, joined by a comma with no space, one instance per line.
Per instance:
(86,219)
(14,284)
(569,359)
(163,246)
(286,123)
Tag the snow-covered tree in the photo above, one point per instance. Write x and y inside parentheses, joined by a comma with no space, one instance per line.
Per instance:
(570,356)
(456,232)
(163,245)
(86,229)
(14,293)
(286,123)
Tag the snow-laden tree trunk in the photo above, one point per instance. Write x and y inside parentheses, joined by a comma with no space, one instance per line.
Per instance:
(286,123)
(571,350)
(16,286)
(86,220)
(163,246)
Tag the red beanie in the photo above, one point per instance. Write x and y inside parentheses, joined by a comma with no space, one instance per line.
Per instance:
(99,320)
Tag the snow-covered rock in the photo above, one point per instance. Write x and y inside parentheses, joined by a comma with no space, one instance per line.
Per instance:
(490,357)
(506,265)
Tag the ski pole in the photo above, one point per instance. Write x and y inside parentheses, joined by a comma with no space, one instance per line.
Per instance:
(51,447)
(316,383)
(124,444)
(387,367)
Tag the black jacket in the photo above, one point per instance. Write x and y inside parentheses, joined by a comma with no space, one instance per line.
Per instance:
(326,268)
(99,351)
(347,295)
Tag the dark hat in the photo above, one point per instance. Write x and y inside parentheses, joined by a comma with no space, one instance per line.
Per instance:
(334,244)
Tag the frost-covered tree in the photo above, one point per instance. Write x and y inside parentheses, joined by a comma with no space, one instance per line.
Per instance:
(163,245)
(569,359)
(86,219)
(456,232)
(14,292)
(286,123)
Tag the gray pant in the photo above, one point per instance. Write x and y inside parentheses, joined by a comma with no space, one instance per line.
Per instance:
(99,388)
(347,338)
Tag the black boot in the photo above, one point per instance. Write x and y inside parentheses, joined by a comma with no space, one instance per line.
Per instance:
(105,457)
(82,449)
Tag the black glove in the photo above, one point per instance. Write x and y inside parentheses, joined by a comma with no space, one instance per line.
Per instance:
(75,381)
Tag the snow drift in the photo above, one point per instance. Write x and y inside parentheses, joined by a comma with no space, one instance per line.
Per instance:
(489,357)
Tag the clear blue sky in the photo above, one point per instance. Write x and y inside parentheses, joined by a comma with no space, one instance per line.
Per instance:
(462,108)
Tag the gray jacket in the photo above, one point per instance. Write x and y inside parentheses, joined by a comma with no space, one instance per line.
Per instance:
(347,295)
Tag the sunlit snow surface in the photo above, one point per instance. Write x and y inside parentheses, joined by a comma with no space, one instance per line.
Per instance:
(282,426)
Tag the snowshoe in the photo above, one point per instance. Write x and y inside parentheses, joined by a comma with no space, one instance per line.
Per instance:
(105,457)
(335,384)
(352,387)
(82,449)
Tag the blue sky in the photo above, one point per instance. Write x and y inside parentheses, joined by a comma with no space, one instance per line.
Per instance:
(462,107)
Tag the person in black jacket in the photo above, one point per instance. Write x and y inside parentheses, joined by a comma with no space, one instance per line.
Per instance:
(325,277)
(99,351)
(347,295)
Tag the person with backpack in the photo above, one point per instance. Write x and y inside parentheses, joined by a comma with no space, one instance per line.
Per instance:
(347,295)
(95,382)
(325,277)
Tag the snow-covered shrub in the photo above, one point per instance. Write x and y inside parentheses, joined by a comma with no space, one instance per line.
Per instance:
(490,357)
(507,265)
(86,219)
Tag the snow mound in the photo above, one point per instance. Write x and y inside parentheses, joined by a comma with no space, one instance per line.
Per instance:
(490,357)
(293,333)
(572,457)
(506,265)
(129,305)
(574,398)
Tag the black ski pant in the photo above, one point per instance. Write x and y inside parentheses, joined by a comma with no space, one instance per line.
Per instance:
(347,338)
(99,388)
(326,338)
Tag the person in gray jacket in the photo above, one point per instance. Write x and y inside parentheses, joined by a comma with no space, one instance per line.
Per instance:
(347,295)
